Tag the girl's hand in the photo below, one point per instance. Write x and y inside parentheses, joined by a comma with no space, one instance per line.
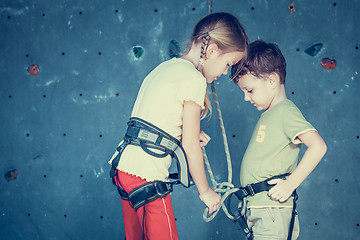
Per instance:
(211,200)
(281,191)
(204,139)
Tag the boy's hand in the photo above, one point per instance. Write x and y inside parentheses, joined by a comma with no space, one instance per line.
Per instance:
(211,200)
(281,191)
(204,139)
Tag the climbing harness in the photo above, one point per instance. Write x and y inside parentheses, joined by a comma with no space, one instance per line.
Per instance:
(250,190)
(147,136)
(227,189)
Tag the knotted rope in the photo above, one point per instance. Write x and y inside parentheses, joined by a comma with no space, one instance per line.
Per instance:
(225,188)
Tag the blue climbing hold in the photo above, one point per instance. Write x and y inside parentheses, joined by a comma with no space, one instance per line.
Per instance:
(174,49)
(314,49)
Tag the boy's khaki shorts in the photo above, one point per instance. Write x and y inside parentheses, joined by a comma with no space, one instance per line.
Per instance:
(271,223)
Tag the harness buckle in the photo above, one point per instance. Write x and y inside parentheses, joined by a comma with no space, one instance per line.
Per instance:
(250,190)
(159,187)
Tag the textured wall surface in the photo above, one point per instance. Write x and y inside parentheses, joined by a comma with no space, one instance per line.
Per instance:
(59,127)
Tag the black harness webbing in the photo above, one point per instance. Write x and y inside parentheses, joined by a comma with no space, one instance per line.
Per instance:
(146,193)
(147,136)
(251,190)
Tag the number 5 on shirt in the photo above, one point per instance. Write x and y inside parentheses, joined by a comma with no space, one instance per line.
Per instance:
(261,134)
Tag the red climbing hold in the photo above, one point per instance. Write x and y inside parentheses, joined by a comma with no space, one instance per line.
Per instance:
(292,8)
(328,63)
(33,69)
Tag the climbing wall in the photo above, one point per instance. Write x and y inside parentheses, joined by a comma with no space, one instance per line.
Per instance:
(70,72)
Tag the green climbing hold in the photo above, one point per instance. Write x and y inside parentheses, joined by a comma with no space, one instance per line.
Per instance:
(138,51)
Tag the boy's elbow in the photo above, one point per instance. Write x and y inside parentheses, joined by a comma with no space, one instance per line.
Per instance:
(319,144)
(322,148)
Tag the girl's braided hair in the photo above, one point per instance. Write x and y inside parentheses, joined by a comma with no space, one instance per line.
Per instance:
(205,43)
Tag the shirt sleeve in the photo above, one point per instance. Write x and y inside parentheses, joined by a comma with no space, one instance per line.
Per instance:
(192,90)
(294,124)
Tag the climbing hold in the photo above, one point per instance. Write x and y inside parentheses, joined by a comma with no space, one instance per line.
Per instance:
(313,49)
(328,63)
(292,8)
(11,175)
(33,69)
(174,49)
(138,51)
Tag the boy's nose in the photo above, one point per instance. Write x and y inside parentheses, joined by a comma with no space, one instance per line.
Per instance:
(246,97)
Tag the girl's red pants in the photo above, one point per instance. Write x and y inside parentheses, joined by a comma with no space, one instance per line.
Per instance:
(159,218)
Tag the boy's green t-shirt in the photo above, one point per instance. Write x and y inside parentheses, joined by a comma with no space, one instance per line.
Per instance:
(273,149)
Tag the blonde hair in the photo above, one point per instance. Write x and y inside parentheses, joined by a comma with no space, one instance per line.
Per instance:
(226,32)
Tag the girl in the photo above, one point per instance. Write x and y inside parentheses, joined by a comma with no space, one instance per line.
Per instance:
(170,103)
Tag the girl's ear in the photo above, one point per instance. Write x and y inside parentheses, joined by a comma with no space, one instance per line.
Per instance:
(212,50)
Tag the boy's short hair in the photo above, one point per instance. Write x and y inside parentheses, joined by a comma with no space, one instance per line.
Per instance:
(262,60)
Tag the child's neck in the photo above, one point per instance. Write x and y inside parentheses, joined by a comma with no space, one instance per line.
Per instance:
(280,96)
(193,55)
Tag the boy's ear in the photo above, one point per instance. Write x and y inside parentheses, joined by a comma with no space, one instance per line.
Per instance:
(212,50)
(274,80)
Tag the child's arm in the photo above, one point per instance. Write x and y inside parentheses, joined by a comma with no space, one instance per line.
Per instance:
(191,145)
(316,149)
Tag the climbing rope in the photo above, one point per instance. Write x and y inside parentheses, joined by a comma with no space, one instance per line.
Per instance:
(223,132)
(210,6)
(225,189)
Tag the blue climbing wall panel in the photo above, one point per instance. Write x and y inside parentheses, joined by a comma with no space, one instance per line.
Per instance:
(70,72)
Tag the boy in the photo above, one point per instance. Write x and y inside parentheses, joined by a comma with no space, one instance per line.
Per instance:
(275,144)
